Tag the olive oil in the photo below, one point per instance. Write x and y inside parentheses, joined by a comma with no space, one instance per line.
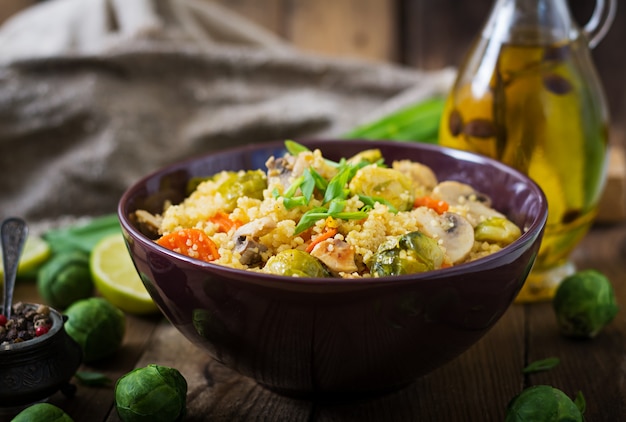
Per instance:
(540,109)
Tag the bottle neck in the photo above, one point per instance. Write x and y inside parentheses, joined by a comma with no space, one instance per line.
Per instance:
(530,22)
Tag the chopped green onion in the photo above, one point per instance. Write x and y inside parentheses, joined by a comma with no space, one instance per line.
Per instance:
(336,206)
(294,187)
(308,185)
(295,148)
(356,215)
(296,201)
(336,186)
(320,183)
(335,192)
(417,122)
(371,200)
(309,219)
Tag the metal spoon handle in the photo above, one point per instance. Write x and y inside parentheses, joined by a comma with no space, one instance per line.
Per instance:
(13,232)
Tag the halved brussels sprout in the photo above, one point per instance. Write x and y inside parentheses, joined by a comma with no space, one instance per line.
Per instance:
(295,263)
(369,155)
(410,253)
(386,183)
(497,230)
(250,183)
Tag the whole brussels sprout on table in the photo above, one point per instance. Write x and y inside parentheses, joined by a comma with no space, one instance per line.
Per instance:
(543,403)
(584,304)
(97,326)
(65,279)
(42,412)
(153,393)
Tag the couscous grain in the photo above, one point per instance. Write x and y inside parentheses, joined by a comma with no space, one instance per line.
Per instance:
(347,214)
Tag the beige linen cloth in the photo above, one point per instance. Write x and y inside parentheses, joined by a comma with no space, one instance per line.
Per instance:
(94,94)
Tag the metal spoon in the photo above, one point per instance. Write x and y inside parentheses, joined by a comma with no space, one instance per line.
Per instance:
(13,232)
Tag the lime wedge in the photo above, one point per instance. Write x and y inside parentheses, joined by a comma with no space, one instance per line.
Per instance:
(116,278)
(36,252)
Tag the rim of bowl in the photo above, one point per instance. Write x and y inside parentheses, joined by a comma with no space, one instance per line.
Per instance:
(57,323)
(483,263)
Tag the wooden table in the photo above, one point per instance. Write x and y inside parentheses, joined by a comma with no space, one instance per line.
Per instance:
(475,387)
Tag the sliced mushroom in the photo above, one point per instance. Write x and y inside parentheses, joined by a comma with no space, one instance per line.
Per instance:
(256,228)
(451,230)
(250,250)
(422,175)
(279,170)
(245,243)
(478,205)
(149,224)
(336,254)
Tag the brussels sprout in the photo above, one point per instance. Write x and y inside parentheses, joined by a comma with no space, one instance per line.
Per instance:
(97,326)
(542,403)
(584,303)
(410,253)
(65,279)
(497,230)
(250,183)
(369,155)
(296,263)
(42,412)
(153,393)
(388,184)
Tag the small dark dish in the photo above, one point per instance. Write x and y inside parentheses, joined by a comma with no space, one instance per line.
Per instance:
(308,336)
(35,369)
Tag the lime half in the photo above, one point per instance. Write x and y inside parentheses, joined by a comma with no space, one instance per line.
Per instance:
(36,252)
(116,278)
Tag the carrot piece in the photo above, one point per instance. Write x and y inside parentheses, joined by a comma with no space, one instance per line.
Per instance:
(327,234)
(223,221)
(191,242)
(440,206)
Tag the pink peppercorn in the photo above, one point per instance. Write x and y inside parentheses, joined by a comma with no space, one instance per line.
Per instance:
(41,330)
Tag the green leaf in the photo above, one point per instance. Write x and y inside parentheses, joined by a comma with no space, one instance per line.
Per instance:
(541,365)
(580,402)
(92,379)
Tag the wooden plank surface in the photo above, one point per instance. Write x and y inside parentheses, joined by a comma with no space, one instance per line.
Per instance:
(267,13)
(219,394)
(475,387)
(357,28)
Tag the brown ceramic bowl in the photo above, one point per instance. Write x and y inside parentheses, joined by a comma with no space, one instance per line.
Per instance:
(311,336)
(33,370)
